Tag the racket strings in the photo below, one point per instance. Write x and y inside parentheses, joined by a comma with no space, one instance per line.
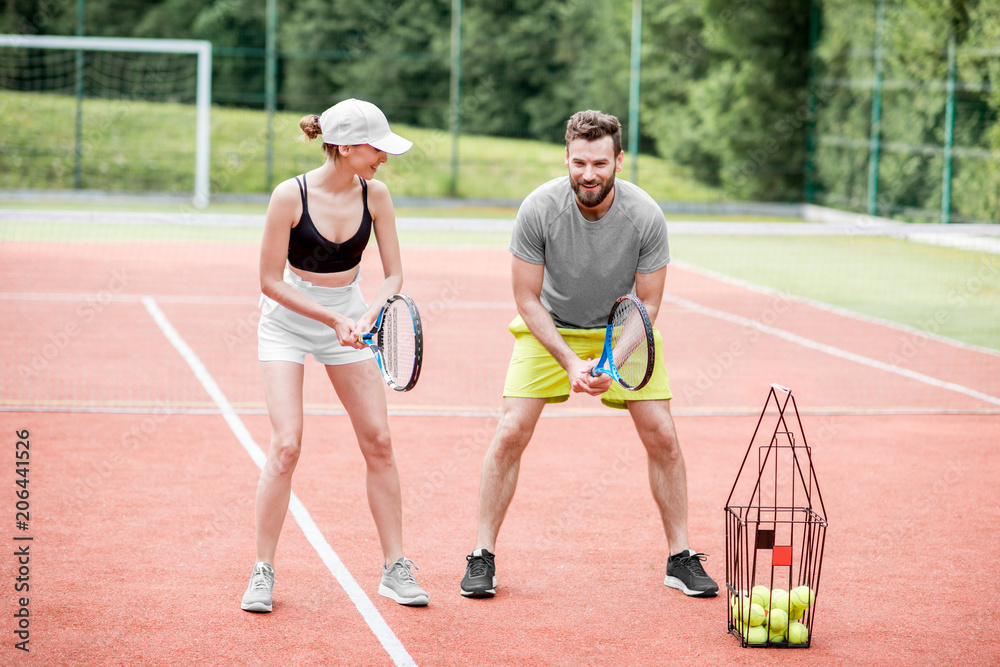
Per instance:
(629,344)
(399,343)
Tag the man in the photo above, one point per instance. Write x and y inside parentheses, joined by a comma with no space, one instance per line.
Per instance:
(578,244)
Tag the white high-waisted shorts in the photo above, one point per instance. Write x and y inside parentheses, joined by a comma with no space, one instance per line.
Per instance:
(284,335)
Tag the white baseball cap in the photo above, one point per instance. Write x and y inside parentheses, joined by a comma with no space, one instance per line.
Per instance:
(353,122)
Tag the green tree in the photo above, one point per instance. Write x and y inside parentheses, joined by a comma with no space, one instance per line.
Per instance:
(913,130)
(729,90)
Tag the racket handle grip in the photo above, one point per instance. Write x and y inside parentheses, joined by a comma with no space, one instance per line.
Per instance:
(367,339)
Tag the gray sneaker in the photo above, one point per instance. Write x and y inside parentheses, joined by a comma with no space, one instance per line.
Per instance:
(258,595)
(398,583)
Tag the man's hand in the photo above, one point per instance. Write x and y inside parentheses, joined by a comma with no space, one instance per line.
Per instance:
(582,381)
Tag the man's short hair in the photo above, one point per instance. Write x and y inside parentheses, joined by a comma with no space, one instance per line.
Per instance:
(593,125)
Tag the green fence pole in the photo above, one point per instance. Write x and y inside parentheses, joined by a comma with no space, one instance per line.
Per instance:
(80,63)
(809,176)
(949,133)
(876,121)
(635,69)
(456,91)
(271,84)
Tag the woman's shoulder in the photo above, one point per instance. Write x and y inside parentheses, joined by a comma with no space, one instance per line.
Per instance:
(377,188)
(378,194)
(285,200)
(287,187)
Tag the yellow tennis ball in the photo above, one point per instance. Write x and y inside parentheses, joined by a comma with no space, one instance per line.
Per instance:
(779,599)
(802,597)
(777,620)
(749,612)
(797,633)
(775,637)
(795,614)
(756,635)
(760,594)
(736,604)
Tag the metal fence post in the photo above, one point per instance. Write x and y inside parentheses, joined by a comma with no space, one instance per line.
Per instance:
(635,69)
(809,177)
(456,91)
(949,133)
(270,84)
(79,89)
(876,121)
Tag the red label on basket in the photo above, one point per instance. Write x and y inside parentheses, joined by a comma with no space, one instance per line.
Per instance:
(781,556)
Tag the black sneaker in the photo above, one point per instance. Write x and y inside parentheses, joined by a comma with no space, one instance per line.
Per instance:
(480,580)
(685,573)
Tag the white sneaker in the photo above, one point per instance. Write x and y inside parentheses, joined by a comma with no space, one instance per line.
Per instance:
(399,584)
(258,595)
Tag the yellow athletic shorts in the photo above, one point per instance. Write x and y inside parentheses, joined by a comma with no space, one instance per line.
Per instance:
(534,373)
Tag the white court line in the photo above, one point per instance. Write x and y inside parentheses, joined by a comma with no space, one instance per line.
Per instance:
(829,349)
(107,297)
(330,558)
(830,308)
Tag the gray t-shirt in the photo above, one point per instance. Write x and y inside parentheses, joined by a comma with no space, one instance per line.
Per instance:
(589,264)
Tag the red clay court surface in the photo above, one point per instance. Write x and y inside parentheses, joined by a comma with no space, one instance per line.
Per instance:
(142,523)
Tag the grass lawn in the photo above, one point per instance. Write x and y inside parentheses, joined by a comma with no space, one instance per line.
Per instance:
(951,292)
(134,146)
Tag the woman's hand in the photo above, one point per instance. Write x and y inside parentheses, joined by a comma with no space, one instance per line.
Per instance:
(347,332)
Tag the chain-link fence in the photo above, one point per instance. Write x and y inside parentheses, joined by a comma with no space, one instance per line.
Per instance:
(899,118)
(905,115)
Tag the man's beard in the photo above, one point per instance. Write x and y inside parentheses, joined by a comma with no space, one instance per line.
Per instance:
(589,198)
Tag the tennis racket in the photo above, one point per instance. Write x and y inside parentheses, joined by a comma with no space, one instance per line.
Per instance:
(398,342)
(629,351)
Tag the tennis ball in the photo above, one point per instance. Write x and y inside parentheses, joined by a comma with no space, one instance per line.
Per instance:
(802,597)
(757,635)
(795,614)
(779,599)
(775,637)
(760,594)
(797,633)
(777,621)
(735,603)
(749,612)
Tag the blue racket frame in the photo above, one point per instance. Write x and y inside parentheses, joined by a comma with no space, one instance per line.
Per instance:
(375,340)
(606,364)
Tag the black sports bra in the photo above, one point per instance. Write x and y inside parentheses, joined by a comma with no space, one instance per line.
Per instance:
(311,251)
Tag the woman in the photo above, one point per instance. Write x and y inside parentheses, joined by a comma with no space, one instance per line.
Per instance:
(312,304)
